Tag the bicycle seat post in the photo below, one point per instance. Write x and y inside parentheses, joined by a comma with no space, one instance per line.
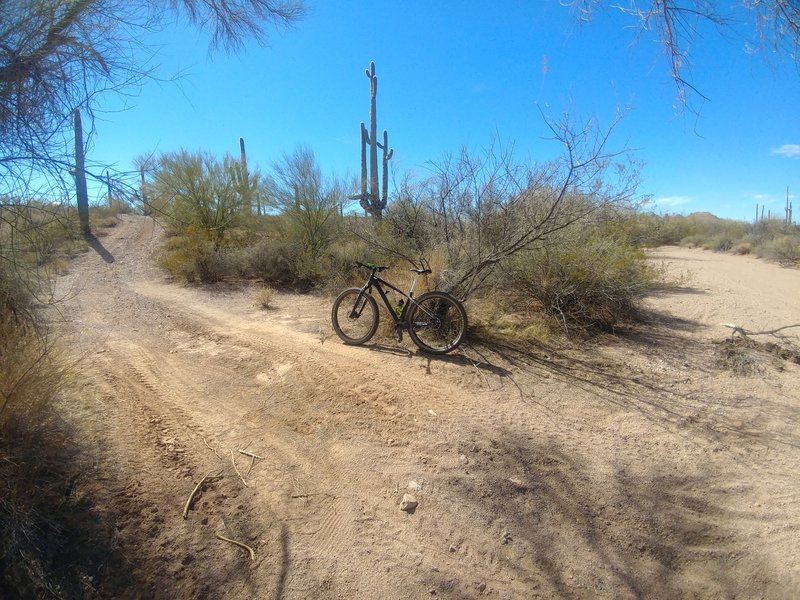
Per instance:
(413,285)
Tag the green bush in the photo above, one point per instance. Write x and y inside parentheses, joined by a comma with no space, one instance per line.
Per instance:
(592,283)
(193,258)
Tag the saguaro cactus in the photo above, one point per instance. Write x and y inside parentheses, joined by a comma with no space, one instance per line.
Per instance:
(247,196)
(246,184)
(373,199)
(80,175)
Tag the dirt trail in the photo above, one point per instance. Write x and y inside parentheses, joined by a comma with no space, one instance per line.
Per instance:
(634,469)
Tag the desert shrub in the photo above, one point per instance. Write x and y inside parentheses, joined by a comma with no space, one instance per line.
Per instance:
(268,260)
(590,283)
(784,250)
(692,241)
(193,258)
(104,216)
(651,230)
(196,190)
(31,378)
(264,297)
(742,248)
(721,242)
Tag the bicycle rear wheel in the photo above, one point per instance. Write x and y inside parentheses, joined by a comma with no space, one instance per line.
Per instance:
(354,319)
(437,323)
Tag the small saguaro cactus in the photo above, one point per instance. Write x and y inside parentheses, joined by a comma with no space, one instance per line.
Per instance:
(373,199)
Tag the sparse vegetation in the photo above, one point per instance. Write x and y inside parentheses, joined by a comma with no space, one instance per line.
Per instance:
(264,297)
(771,239)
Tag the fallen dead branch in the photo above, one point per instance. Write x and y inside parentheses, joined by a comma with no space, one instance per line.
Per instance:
(240,544)
(233,460)
(208,477)
(746,333)
(246,453)
(212,448)
(743,331)
(253,458)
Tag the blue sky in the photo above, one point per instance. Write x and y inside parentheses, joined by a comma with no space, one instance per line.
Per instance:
(460,73)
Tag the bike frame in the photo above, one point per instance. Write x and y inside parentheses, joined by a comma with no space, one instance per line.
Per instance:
(378,283)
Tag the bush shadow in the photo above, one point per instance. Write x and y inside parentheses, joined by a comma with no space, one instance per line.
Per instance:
(658,371)
(571,533)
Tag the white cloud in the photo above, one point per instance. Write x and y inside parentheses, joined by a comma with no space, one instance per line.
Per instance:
(672,201)
(787,151)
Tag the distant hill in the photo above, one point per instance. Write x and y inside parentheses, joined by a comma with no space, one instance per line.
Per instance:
(703,217)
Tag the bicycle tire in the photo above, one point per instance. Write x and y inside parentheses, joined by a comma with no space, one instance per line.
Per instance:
(354,330)
(437,323)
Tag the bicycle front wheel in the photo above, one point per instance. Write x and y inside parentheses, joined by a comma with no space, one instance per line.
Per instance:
(437,323)
(354,316)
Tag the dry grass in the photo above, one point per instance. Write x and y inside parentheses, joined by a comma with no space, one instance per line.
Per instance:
(264,297)
(741,357)
(32,448)
(501,319)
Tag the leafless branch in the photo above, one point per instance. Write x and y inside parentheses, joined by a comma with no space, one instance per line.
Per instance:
(233,460)
(200,483)
(240,544)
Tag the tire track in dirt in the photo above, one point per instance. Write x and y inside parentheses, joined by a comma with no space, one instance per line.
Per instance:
(536,480)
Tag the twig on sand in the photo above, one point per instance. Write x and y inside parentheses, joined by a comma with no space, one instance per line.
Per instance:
(253,458)
(192,495)
(245,452)
(240,544)
(212,448)
(233,460)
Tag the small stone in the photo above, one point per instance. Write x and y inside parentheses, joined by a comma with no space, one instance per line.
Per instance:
(414,486)
(464,460)
(453,548)
(482,587)
(505,538)
(408,503)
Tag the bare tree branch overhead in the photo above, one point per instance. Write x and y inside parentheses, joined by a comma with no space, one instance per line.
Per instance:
(768,25)
(58,55)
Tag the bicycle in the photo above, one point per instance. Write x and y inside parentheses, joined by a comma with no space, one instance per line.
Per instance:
(436,321)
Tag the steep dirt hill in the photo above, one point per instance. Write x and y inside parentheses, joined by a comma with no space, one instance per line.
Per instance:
(634,468)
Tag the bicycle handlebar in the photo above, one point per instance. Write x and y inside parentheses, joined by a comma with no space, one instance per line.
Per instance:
(378,268)
(371,267)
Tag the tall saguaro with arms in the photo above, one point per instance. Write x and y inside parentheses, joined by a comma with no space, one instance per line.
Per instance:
(373,199)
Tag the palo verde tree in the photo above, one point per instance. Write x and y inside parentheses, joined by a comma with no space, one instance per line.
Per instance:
(310,202)
(195,190)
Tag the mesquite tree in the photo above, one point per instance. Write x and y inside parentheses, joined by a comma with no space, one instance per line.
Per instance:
(476,211)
